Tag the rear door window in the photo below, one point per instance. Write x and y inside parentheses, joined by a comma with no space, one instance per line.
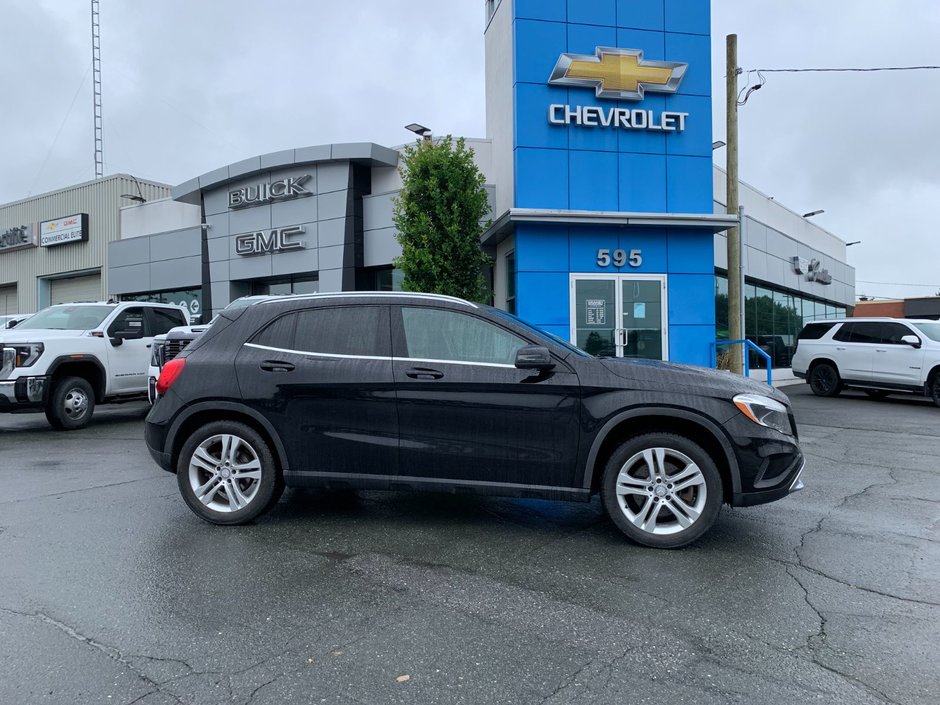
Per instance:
(871,332)
(358,331)
(815,331)
(163,319)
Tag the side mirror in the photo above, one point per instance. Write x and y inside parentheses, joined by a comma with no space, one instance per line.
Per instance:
(534,357)
(119,336)
(911,340)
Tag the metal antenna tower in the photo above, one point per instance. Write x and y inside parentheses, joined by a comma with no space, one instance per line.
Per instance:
(96,70)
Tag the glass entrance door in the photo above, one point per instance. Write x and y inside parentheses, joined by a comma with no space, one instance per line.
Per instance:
(620,315)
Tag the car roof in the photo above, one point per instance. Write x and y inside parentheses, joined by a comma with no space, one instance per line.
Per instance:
(870,319)
(386,295)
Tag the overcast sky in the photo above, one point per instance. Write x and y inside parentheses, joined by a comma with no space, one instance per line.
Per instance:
(190,86)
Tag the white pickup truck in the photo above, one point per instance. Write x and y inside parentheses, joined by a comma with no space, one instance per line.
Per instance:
(67,358)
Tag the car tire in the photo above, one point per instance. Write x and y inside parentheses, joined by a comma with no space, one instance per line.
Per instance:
(876,393)
(935,389)
(824,380)
(641,499)
(71,404)
(227,473)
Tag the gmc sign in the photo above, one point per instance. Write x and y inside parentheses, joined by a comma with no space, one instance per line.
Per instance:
(276,240)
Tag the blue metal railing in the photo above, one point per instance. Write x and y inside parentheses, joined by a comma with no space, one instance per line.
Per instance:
(748,345)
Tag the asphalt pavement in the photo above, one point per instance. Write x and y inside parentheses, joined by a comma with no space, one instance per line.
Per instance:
(112,591)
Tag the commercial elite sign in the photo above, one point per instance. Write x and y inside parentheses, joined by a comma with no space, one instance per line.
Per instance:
(72,228)
(617,74)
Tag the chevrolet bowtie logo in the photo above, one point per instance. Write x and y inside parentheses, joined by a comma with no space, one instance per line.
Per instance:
(618,73)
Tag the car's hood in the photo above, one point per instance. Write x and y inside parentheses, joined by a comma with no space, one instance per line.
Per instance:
(16,335)
(675,376)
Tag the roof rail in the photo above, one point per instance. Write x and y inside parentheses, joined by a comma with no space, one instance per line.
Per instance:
(379,294)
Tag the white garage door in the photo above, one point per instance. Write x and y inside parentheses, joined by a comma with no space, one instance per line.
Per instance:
(64,291)
(8,303)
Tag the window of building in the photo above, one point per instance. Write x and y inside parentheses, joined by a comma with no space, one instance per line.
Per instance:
(511,282)
(434,334)
(295,284)
(388,279)
(190,299)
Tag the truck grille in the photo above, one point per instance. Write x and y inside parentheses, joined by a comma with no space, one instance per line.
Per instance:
(174,347)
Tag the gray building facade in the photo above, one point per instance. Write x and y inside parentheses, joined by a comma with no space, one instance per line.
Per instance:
(287,222)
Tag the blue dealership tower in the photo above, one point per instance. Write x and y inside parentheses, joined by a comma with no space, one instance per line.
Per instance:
(599,113)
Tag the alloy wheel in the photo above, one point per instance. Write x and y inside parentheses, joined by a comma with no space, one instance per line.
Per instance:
(661,491)
(225,473)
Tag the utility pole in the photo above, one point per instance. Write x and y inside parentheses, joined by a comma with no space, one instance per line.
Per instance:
(96,71)
(735,329)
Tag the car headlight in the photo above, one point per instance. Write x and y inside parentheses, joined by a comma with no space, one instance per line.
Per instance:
(764,411)
(156,355)
(27,353)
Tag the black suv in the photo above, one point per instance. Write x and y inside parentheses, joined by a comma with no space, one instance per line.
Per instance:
(417,391)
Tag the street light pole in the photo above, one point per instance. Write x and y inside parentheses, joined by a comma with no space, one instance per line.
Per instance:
(735,327)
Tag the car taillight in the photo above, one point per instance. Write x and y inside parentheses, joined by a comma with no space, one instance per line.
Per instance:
(168,375)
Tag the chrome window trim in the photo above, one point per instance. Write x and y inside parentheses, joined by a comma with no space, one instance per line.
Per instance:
(377,357)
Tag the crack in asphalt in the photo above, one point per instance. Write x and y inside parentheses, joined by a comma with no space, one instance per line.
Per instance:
(111,652)
(80,489)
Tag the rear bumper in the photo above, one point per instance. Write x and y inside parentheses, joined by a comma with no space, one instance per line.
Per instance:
(155,438)
(24,393)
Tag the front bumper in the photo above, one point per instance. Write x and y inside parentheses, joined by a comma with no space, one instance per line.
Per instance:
(24,393)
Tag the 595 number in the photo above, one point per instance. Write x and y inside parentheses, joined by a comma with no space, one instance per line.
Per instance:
(619,258)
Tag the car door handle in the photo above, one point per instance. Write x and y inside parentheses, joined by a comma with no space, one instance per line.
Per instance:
(839,348)
(880,350)
(277,366)
(424,373)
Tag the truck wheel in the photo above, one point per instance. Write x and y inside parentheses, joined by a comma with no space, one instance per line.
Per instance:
(824,380)
(71,404)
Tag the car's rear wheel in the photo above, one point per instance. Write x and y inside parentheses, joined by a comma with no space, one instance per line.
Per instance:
(824,380)
(935,389)
(877,393)
(71,404)
(227,473)
(662,490)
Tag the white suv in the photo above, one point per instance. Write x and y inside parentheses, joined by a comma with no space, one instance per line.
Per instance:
(66,358)
(876,355)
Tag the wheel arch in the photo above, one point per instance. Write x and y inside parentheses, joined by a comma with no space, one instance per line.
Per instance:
(88,367)
(693,426)
(208,411)
(931,377)
(816,362)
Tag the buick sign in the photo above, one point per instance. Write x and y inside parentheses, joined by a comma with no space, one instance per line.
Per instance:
(283,190)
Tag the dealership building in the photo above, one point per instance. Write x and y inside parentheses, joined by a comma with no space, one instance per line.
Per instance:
(608,215)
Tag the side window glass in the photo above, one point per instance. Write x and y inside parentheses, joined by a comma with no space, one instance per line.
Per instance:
(434,334)
(344,330)
(815,331)
(162,320)
(867,333)
(891,333)
(279,333)
(130,320)
(844,334)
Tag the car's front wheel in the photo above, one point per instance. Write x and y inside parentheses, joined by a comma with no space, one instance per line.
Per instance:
(71,404)
(824,380)
(227,473)
(662,490)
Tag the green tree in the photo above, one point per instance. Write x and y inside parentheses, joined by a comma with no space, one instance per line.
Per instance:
(439,215)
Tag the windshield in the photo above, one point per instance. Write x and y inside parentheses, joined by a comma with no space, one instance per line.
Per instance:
(536,331)
(931,330)
(67,318)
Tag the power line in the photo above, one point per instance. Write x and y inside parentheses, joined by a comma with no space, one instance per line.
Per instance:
(59,132)
(866,281)
(848,70)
